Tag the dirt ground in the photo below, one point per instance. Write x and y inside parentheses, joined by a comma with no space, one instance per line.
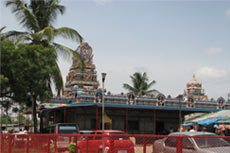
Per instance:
(139,149)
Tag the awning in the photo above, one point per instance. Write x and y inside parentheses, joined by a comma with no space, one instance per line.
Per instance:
(208,121)
(215,115)
(204,122)
(188,124)
(107,119)
(224,121)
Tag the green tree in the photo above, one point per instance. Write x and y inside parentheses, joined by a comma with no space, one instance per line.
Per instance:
(37,16)
(19,110)
(6,104)
(29,69)
(140,85)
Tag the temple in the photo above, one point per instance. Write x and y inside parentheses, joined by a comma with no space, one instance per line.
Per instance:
(194,90)
(82,79)
(81,103)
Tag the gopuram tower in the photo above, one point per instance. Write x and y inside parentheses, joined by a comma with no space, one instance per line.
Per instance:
(82,80)
(195,91)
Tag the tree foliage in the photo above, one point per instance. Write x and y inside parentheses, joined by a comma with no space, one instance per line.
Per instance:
(140,85)
(29,70)
(37,16)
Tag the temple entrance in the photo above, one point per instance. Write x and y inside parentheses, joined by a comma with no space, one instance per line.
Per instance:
(108,122)
(160,126)
(133,126)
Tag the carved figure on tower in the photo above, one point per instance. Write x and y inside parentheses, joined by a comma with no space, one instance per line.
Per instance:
(86,53)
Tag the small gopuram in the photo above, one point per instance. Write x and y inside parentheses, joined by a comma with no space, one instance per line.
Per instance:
(194,91)
(81,79)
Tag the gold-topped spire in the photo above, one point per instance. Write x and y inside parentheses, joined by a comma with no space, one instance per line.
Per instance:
(194,77)
(194,88)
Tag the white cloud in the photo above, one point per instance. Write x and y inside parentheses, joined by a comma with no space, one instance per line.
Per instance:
(211,74)
(102,1)
(212,50)
(227,13)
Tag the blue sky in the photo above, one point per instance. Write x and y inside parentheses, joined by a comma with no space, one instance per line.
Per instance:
(170,40)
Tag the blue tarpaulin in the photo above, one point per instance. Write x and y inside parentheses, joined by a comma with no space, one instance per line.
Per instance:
(188,124)
(203,122)
(208,121)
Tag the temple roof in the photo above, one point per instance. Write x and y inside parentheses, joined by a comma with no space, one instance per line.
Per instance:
(194,82)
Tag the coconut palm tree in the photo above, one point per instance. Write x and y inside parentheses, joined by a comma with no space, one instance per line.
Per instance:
(140,85)
(37,16)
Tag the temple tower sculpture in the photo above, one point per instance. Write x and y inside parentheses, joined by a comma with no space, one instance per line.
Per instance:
(82,80)
(194,90)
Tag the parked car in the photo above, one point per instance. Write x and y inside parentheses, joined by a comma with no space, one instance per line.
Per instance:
(62,140)
(62,128)
(86,132)
(94,144)
(205,142)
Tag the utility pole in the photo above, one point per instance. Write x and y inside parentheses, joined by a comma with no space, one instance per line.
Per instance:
(1,119)
(103,108)
(229,97)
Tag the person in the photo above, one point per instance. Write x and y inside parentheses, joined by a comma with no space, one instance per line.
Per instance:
(23,131)
(20,131)
(171,130)
(191,129)
(204,129)
(219,132)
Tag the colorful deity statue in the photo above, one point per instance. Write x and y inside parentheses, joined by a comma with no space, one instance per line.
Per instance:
(86,53)
(220,103)
(160,100)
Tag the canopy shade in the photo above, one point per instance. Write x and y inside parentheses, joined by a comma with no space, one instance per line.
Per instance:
(204,122)
(188,124)
(208,121)
(224,121)
(216,115)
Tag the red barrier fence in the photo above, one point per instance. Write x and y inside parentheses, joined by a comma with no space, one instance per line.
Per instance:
(90,143)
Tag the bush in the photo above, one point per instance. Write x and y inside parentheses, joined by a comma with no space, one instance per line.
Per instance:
(72,147)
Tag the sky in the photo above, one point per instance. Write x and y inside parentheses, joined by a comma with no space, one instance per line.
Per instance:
(169,40)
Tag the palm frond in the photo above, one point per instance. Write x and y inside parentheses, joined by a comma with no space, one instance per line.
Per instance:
(2,37)
(150,91)
(151,84)
(25,16)
(67,51)
(128,87)
(46,11)
(145,77)
(68,33)
(2,29)
(17,35)
(57,79)
(55,9)
(47,33)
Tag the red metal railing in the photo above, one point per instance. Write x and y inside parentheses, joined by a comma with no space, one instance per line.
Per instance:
(87,143)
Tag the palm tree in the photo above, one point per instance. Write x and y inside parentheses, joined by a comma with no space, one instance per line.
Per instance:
(37,16)
(140,85)
(1,34)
